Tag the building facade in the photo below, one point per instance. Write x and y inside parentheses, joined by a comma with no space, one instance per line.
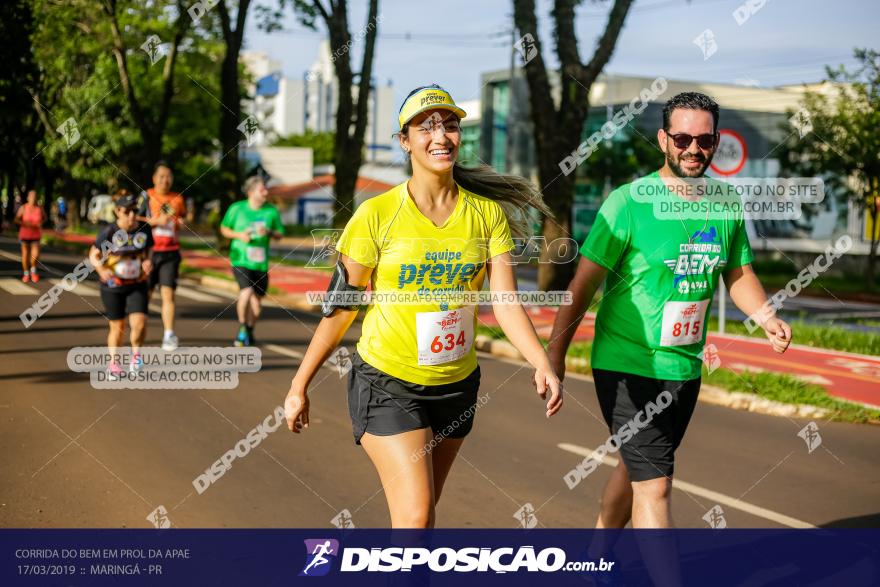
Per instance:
(754,122)
(288,106)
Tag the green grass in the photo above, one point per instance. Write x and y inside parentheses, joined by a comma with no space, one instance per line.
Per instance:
(789,390)
(815,335)
(493,332)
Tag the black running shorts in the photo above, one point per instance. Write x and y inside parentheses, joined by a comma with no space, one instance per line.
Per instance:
(166,266)
(122,301)
(384,405)
(259,280)
(654,431)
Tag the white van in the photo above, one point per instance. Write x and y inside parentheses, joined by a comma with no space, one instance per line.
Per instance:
(101,209)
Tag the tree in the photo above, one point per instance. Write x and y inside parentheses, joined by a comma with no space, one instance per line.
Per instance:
(230,96)
(321,143)
(558,128)
(79,81)
(836,138)
(18,78)
(351,112)
(150,125)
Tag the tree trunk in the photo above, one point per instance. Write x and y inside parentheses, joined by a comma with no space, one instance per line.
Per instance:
(230,97)
(556,267)
(558,128)
(351,116)
(10,193)
(873,211)
(230,118)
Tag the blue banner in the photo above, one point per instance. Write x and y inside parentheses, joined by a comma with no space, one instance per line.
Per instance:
(759,558)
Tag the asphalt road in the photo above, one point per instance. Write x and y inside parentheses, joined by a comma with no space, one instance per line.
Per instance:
(74,456)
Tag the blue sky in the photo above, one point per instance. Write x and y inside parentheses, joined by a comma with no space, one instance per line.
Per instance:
(451,43)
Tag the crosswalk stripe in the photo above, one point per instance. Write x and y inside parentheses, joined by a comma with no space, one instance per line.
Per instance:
(193,294)
(283,351)
(80,289)
(17,288)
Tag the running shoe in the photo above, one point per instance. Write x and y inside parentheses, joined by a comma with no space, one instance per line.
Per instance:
(243,338)
(251,337)
(169,343)
(115,372)
(26,277)
(136,364)
(35,277)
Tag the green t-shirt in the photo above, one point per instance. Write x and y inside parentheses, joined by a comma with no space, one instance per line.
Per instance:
(254,254)
(663,268)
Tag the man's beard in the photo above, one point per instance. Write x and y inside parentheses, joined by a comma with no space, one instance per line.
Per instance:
(679,171)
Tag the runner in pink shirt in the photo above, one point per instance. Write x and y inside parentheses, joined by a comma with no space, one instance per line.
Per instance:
(30,218)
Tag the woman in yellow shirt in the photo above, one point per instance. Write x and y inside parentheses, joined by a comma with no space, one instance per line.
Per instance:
(423,246)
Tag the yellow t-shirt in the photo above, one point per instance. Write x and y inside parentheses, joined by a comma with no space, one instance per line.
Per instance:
(427,343)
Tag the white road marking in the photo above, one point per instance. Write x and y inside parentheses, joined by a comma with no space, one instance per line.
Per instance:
(80,289)
(284,351)
(328,364)
(714,496)
(193,294)
(17,287)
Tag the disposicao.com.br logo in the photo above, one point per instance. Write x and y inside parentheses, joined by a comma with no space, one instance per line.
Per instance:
(440,560)
(320,554)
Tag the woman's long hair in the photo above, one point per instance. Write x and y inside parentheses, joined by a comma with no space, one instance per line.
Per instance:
(515,194)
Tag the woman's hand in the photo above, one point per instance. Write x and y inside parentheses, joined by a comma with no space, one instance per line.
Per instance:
(105,274)
(544,378)
(296,408)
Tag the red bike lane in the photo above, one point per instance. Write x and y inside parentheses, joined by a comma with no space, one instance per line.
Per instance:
(849,376)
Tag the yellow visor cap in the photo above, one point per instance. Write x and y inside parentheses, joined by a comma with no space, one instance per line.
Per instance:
(429,98)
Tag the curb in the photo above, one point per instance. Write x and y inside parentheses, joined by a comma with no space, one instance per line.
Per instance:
(710,394)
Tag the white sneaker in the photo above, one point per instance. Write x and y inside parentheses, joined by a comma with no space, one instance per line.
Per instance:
(169,343)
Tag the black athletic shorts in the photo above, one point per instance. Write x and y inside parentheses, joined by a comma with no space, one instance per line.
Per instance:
(259,280)
(122,301)
(384,405)
(650,452)
(166,266)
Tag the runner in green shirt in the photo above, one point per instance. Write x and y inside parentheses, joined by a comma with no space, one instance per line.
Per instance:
(250,224)
(661,263)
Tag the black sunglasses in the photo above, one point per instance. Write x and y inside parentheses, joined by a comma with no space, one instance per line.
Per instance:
(683,140)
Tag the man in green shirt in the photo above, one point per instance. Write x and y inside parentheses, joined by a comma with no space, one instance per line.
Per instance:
(661,268)
(250,224)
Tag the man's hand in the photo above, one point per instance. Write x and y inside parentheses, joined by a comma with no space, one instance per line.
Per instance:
(779,334)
